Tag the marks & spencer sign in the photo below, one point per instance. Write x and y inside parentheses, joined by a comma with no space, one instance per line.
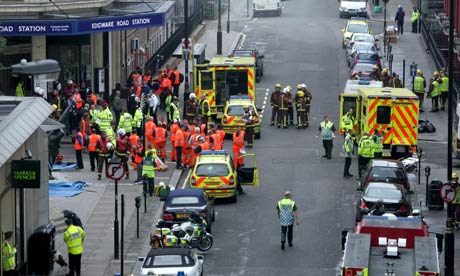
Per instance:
(25,174)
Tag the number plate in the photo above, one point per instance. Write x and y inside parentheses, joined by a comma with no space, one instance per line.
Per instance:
(260,7)
(182,215)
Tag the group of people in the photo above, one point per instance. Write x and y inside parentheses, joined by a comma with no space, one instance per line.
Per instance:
(438,88)
(283,102)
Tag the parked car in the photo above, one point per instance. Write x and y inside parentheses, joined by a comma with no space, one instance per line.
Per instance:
(360,37)
(359,46)
(252,53)
(181,203)
(365,56)
(387,171)
(169,261)
(364,68)
(355,26)
(394,197)
(352,8)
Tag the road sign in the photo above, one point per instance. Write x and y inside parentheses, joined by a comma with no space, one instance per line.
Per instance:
(186,44)
(115,171)
(448,192)
(413,69)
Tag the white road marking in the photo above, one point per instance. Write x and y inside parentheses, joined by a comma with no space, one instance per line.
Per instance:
(265,102)
(263,107)
(186,179)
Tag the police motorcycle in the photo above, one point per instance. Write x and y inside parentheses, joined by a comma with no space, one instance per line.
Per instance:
(189,234)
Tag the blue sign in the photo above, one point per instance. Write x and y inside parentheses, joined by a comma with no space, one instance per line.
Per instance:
(413,70)
(80,26)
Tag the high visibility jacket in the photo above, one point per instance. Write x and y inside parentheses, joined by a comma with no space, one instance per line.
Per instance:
(160,135)
(419,86)
(190,108)
(457,195)
(378,143)
(174,112)
(202,129)
(94,98)
(138,154)
(286,211)
(205,108)
(94,113)
(444,86)
(222,136)
(205,146)
(326,130)
(134,140)
(19,90)
(348,145)
(176,77)
(172,131)
(149,129)
(137,121)
(238,140)
(83,127)
(348,121)
(9,256)
(126,122)
(111,135)
(77,100)
(168,102)
(78,145)
(179,142)
(415,16)
(217,142)
(366,147)
(436,91)
(73,238)
(187,139)
(92,141)
(193,140)
(106,117)
(148,167)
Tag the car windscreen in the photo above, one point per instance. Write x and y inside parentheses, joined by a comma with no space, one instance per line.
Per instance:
(212,170)
(363,67)
(357,28)
(242,54)
(237,110)
(364,47)
(383,173)
(184,200)
(368,56)
(168,261)
(383,193)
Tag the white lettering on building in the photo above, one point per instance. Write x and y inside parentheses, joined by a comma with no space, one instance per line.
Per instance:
(121,23)
(34,29)
(102,25)
(6,29)
(141,21)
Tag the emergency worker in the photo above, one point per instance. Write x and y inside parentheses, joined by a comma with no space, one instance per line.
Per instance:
(365,152)
(149,131)
(205,110)
(348,121)
(283,105)
(178,145)
(122,149)
(78,146)
(385,78)
(444,88)
(105,117)
(375,74)
(435,91)
(308,98)
(238,144)
(148,170)
(348,146)
(191,107)
(103,147)
(172,137)
(73,238)
(327,132)
(137,121)
(290,113)
(456,202)
(138,153)
(8,255)
(92,149)
(301,106)
(126,122)
(175,81)
(287,214)
(419,88)
(187,148)
(174,112)
(248,119)
(414,19)
(274,102)
(160,141)
(378,143)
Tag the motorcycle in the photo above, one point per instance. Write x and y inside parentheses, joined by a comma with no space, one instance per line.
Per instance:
(189,234)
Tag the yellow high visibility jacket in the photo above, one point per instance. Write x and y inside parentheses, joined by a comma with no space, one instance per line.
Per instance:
(9,254)
(73,238)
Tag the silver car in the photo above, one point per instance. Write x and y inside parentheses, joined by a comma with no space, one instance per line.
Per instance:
(358,46)
(171,261)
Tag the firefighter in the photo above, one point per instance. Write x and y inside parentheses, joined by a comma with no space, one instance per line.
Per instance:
(348,146)
(205,110)
(290,112)
(419,88)
(378,143)
(103,146)
(308,98)
(385,78)
(365,152)
(191,107)
(122,149)
(301,106)
(348,121)
(283,109)
(444,88)
(274,102)
(375,74)
(248,118)
(435,91)
(327,132)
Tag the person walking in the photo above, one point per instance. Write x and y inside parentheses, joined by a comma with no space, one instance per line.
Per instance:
(78,146)
(73,238)
(348,146)
(274,102)
(365,152)
(419,88)
(8,255)
(444,88)
(399,19)
(327,132)
(414,19)
(92,149)
(287,214)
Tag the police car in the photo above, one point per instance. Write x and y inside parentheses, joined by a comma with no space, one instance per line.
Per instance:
(233,114)
(357,25)
(214,172)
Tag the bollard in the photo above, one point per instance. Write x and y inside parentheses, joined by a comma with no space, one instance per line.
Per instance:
(138,205)
(427,174)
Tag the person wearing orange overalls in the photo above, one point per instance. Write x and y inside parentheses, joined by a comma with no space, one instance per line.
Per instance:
(78,146)
(221,133)
(160,141)
(187,149)
(172,132)
(138,157)
(149,131)
(92,150)
(134,140)
(178,145)
(238,144)
(193,140)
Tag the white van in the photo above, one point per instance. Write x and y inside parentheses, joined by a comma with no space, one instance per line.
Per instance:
(266,6)
(352,8)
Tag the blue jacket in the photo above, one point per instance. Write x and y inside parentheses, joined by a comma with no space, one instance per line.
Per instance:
(400,16)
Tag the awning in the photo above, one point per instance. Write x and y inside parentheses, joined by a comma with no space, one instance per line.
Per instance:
(50,125)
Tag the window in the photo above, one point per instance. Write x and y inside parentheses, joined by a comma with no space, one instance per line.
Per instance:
(206,81)
(212,170)
(383,115)
(185,200)
(384,193)
(357,28)
(349,102)
(237,110)
(167,260)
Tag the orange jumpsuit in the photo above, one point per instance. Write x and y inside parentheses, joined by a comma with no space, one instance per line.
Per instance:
(149,131)
(238,144)
(187,150)
(160,142)
(172,130)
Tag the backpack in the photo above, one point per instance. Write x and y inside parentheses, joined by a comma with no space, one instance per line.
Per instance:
(181,77)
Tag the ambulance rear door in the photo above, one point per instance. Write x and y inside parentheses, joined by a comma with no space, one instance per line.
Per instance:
(207,86)
(196,77)
(348,101)
(404,125)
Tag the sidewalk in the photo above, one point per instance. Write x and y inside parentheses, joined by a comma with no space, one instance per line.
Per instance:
(411,48)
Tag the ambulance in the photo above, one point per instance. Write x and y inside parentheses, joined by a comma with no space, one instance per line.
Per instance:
(223,77)
(393,112)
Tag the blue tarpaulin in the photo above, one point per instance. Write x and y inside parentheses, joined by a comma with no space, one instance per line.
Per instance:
(66,189)
(64,166)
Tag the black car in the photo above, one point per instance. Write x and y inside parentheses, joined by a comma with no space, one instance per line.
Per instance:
(395,199)
(389,171)
(252,53)
(181,203)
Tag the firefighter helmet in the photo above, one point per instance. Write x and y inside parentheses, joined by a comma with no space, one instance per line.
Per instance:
(278,85)
(436,73)
(455,175)
(299,86)
(300,93)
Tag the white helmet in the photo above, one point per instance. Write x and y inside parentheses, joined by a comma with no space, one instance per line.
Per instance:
(200,138)
(304,85)
(109,146)
(284,90)
(121,132)
(162,183)
(197,129)
(192,96)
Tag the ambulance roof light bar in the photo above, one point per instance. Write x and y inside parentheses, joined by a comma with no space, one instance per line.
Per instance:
(213,152)
(240,97)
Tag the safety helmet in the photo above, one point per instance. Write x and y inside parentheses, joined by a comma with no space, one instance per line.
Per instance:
(376,66)
(192,96)
(454,175)
(300,93)
(161,183)
(278,85)
(284,90)
(299,86)
(121,132)
(200,138)
(109,146)
(288,88)
(69,82)
(385,70)
(436,73)
(419,71)
(54,106)
(245,106)
(304,85)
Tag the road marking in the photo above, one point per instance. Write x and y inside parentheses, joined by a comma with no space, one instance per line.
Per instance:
(265,102)
(186,179)
(261,115)
(263,107)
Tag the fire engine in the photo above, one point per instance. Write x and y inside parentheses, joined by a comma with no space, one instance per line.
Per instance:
(382,245)
(223,77)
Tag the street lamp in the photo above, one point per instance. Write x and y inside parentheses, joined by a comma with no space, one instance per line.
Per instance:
(385,23)
(228,17)
(219,28)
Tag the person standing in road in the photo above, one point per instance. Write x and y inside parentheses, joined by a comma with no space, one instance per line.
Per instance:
(419,88)
(248,119)
(8,255)
(348,146)
(73,238)
(78,146)
(399,19)
(103,146)
(308,98)
(191,107)
(205,110)
(122,149)
(92,149)
(365,152)
(290,111)
(126,122)
(287,213)
(327,132)
(301,106)
(414,19)
(444,88)
(148,170)
(238,144)
(283,104)
(178,145)
(274,102)
(395,81)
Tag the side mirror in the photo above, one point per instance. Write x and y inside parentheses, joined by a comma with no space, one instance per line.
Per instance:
(141,259)
(261,56)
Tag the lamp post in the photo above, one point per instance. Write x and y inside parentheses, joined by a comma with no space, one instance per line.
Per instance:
(228,17)
(449,236)
(385,43)
(186,84)
(219,28)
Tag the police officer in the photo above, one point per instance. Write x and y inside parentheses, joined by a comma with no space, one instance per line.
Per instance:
(327,132)
(308,98)
(283,104)
(274,102)
(419,88)
(414,19)
(348,121)
(378,144)
(444,88)
(73,238)
(126,122)
(435,91)
(287,214)
(8,255)
(174,112)
(365,152)
(248,119)
(348,146)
